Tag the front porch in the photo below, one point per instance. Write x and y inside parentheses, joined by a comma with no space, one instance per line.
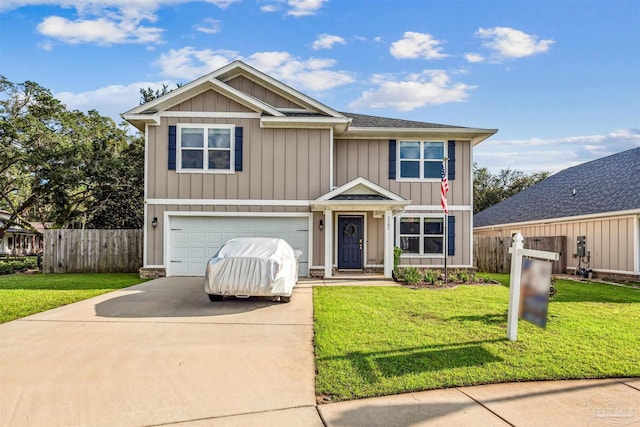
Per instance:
(358,226)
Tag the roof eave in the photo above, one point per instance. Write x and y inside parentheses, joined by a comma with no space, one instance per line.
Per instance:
(477,135)
(339,124)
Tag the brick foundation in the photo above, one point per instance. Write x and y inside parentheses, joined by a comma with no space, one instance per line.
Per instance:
(152,273)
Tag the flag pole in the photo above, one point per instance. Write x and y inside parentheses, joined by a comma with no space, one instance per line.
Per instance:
(446,230)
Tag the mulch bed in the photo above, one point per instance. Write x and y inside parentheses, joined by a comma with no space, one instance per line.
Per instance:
(448,285)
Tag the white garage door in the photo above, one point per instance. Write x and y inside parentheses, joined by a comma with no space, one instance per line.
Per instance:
(194,240)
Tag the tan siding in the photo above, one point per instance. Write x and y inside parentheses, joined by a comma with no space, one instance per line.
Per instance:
(278,164)
(210,101)
(257,91)
(370,159)
(375,240)
(609,240)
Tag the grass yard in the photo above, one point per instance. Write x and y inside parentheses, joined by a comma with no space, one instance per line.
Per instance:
(25,294)
(374,341)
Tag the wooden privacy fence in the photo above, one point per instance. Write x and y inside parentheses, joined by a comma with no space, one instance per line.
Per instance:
(491,254)
(92,251)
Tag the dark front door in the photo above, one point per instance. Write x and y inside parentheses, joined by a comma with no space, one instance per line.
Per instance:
(350,241)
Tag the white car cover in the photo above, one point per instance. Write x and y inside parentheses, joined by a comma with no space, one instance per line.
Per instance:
(255,266)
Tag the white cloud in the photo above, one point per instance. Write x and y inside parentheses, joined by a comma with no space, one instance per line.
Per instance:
(83,5)
(431,87)
(474,57)
(270,8)
(187,63)
(109,100)
(553,154)
(102,31)
(46,45)
(511,43)
(326,41)
(304,7)
(208,26)
(377,39)
(312,74)
(417,45)
(104,22)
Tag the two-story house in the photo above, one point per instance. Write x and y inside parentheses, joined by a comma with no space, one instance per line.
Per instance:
(238,153)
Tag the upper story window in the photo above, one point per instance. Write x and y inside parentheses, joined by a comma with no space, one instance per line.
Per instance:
(420,159)
(206,148)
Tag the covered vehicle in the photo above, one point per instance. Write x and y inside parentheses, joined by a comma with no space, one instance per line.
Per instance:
(252,266)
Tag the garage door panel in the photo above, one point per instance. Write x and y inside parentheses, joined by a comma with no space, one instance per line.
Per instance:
(194,240)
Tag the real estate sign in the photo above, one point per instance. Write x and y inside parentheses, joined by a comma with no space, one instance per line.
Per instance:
(534,291)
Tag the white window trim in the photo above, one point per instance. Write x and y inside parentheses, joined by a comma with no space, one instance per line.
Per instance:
(421,235)
(422,160)
(205,148)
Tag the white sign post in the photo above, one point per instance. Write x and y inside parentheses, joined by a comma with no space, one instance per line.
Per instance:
(517,251)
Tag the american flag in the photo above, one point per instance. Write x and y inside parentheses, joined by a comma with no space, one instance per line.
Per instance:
(444,189)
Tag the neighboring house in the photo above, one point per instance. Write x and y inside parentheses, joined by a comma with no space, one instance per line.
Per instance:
(18,240)
(599,200)
(238,153)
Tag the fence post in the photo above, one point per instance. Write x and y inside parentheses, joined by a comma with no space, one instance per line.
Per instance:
(514,287)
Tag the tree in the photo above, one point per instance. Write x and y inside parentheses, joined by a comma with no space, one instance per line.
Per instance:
(149,94)
(489,189)
(66,167)
(39,160)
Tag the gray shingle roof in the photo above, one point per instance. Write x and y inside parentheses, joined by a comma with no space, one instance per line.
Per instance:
(363,120)
(608,184)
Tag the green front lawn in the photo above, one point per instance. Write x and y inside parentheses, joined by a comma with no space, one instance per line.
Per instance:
(25,294)
(373,341)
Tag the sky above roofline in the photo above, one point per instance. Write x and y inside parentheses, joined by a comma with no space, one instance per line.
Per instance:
(558,78)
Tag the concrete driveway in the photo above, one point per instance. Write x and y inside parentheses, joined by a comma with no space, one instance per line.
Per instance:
(160,353)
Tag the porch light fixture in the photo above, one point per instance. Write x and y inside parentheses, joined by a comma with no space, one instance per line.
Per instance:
(154,223)
(321,225)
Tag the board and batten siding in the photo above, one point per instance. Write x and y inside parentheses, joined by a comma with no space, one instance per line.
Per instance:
(279,164)
(610,240)
(211,101)
(369,158)
(257,91)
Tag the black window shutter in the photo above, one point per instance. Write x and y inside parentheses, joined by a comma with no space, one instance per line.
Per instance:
(452,160)
(451,235)
(238,149)
(172,148)
(392,159)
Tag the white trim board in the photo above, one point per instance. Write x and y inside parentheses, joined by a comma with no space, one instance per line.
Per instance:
(228,202)
(464,208)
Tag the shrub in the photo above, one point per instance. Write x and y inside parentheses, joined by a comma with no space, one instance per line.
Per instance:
(431,276)
(412,276)
(396,259)
(553,291)
(17,265)
(463,276)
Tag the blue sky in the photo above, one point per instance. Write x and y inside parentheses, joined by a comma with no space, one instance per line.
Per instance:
(560,79)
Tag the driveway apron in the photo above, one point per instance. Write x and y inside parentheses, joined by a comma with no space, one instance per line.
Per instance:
(160,353)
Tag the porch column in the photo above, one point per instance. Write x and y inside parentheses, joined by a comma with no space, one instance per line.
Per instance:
(328,243)
(388,243)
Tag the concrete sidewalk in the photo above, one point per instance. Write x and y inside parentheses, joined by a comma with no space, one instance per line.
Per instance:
(550,403)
